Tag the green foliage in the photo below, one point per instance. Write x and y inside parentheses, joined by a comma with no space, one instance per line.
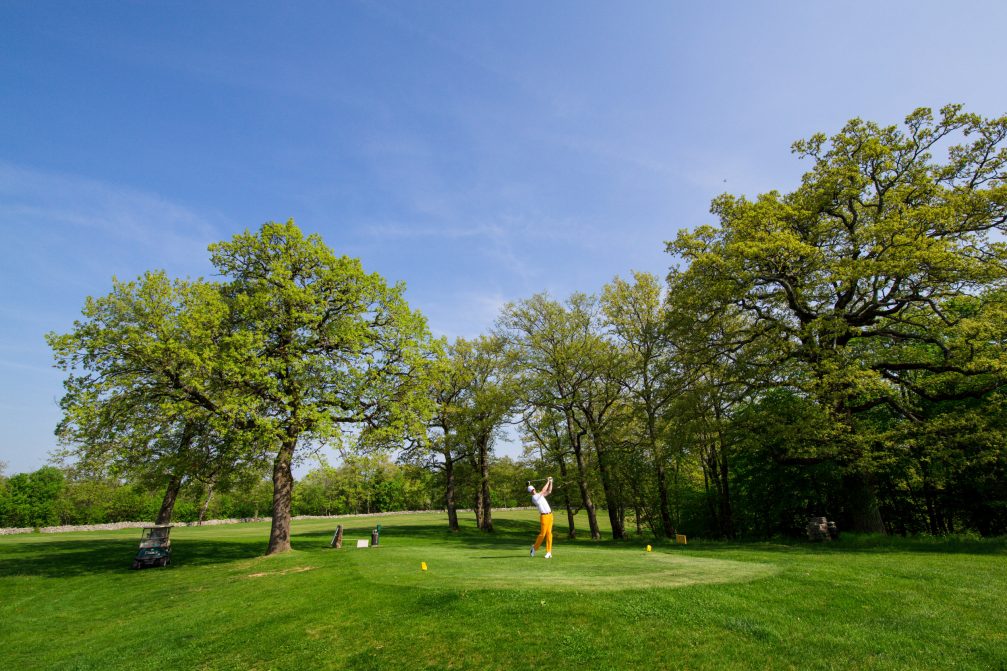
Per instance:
(856,273)
(253,500)
(363,484)
(322,344)
(144,396)
(32,499)
(652,377)
(172,380)
(486,388)
(323,351)
(776,486)
(875,288)
(572,377)
(510,480)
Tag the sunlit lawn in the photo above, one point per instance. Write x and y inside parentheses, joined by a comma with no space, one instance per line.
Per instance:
(70,601)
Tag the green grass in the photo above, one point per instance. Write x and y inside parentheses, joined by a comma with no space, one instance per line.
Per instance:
(69,601)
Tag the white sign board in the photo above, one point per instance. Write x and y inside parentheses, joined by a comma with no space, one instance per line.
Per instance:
(362,543)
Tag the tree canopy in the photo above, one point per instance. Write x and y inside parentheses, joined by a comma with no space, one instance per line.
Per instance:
(325,349)
(294,348)
(876,282)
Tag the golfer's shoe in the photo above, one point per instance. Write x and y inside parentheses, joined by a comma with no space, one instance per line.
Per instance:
(532,553)
(548,555)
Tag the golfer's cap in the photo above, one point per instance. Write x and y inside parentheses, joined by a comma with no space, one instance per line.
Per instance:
(530,488)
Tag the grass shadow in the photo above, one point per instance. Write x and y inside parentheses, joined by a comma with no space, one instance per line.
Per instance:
(48,557)
(510,532)
(858,543)
(924,544)
(82,557)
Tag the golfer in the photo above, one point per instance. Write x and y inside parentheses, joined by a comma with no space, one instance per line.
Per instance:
(545,518)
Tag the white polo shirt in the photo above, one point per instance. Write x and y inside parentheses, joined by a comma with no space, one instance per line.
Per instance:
(541,503)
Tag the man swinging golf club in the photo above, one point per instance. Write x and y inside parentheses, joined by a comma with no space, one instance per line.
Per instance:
(545,517)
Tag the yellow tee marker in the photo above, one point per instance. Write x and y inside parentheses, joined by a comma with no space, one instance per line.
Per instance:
(648,548)
(423,566)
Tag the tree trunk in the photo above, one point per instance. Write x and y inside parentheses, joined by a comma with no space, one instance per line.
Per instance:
(449,493)
(715,479)
(715,475)
(723,474)
(929,496)
(206,504)
(283,488)
(862,499)
(615,516)
(667,527)
(640,511)
(572,533)
(477,506)
(175,483)
(676,482)
(726,510)
(705,463)
(168,502)
(585,496)
(486,519)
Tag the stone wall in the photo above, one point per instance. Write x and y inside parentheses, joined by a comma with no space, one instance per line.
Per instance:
(821,529)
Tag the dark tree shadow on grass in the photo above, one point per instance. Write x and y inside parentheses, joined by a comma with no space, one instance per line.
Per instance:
(81,557)
(520,533)
(48,557)
(52,558)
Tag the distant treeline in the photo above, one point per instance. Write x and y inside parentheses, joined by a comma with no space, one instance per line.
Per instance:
(768,499)
(54,496)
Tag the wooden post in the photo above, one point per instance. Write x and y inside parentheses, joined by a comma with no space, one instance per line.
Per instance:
(337,538)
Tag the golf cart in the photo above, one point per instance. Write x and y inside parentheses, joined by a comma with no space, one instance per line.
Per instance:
(155,548)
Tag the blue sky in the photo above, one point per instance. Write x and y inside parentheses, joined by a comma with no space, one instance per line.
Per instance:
(480,152)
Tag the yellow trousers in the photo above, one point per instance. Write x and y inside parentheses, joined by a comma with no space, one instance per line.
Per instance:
(544,532)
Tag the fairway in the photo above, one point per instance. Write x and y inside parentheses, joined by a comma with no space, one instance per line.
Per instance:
(69,601)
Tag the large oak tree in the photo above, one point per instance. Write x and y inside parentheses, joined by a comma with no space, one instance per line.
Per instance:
(327,350)
(873,272)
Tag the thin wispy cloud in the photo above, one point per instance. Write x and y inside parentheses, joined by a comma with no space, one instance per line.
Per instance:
(401,231)
(65,236)
(21,366)
(467,314)
(31,198)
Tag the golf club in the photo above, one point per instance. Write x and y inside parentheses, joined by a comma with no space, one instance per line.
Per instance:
(554,482)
